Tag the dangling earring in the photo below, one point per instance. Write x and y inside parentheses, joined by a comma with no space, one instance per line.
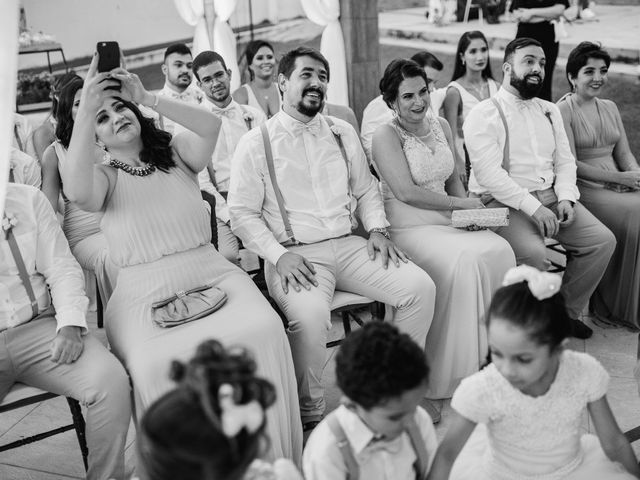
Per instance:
(106,156)
(463,62)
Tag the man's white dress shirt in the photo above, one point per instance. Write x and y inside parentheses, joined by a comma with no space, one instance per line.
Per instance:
(25,169)
(539,152)
(190,95)
(48,261)
(377,460)
(377,113)
(234,126)
(319,190)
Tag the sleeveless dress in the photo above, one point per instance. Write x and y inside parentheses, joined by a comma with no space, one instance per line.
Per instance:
(87,243)
(252,100)
(520,437)
(158,232)
(467,267)
(617,297)
(468,102)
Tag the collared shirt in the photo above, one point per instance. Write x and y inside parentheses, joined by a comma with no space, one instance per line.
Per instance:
(377,113)
(48,261)
(25,169)
(539,151)
(234,126)
(318,188)
(377,460)
(190,95)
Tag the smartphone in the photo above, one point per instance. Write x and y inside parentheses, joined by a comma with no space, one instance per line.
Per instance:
(109,53)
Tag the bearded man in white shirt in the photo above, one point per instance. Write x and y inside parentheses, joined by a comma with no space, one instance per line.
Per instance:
(537,179)
(301,224)
(43,330)
(176,69)
(214,79)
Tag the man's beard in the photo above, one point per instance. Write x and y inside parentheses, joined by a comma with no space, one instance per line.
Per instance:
(525,89)
(311,110)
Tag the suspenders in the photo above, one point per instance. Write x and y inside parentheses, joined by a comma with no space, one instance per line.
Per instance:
(274,181)
(22,271)
(353,469)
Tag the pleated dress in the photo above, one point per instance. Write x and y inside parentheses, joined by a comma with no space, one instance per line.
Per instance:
(158,233)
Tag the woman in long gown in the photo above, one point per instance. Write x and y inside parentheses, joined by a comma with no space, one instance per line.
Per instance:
(608,179)
(87,243)
(158,233)
(421,187)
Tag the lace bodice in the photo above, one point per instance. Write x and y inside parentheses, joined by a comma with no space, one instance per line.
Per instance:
(431,163)
(531,436)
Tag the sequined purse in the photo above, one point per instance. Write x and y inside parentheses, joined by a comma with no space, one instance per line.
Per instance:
(480,217)
(187,306)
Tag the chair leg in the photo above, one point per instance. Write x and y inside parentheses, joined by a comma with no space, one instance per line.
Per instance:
(99,307)
(346,323)
(79,425)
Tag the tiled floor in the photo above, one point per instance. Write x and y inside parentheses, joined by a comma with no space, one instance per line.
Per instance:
(59,457)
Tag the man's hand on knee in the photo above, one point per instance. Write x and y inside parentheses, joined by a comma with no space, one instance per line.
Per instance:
(388,250)
(68,345)
(566,213)
(295,270)
(547,221)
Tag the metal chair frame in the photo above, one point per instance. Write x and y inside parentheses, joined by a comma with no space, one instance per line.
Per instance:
(76,414)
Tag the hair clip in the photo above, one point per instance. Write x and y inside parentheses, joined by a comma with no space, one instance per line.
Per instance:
(235,417)
(541,284)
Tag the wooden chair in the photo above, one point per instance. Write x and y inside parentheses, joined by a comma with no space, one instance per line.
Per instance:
(22,395)
(555,246)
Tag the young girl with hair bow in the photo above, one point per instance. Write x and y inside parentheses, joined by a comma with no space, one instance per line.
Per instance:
(530,400)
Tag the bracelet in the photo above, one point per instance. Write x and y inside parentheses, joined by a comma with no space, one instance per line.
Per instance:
(382,231)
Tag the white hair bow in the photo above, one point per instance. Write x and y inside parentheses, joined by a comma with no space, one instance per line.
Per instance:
(541,284)
(235,417)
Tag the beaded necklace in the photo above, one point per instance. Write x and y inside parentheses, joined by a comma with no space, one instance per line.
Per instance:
(136,171)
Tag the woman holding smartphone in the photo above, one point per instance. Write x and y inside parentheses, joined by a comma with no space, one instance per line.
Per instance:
(608,179)
(158,233)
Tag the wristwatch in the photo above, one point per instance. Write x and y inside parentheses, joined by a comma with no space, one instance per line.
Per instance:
(382,231)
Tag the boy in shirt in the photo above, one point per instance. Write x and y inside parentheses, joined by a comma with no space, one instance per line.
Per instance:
(380,432)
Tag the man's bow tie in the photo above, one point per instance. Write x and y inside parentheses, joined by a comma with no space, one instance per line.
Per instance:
(312,127)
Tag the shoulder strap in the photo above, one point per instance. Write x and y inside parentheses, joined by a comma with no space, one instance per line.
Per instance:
(353,470)
(17,135)
(506,162)
(420,448)
(274,182)
(338,138)
(22,270)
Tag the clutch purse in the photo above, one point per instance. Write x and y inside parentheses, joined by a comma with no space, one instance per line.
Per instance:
(480,217)
(186,306)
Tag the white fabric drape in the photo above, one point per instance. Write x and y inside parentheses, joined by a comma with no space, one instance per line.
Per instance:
(224,41)
(9,62)
(327,13)
(192,12)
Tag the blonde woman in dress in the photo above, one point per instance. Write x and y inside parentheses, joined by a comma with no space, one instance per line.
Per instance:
(421,187)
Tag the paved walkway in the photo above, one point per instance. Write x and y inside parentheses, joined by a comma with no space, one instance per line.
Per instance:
(616,27)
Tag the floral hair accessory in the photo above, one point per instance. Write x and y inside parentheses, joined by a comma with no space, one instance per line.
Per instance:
(337,131)
(235,417)
(541,284)
(9,221)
